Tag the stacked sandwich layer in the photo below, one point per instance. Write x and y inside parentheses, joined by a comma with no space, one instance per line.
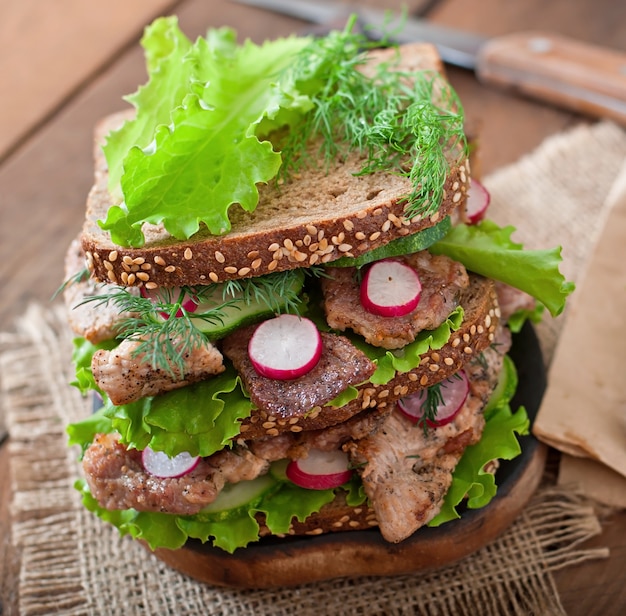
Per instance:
(318,351)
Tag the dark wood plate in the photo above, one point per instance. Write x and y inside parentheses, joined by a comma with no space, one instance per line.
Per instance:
(297,560)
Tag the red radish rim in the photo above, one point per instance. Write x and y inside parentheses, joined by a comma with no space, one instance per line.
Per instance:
(411,406)
(478,199)
(159,464)
(387,280)
(285,347)
(320,470)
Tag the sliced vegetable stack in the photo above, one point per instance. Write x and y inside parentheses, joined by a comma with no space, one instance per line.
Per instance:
(295,311)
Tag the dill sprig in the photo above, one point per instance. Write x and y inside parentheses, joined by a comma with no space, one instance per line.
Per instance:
(434,398)
(164,339)
(81,275)
(167,332)
(276,291)
(404,123)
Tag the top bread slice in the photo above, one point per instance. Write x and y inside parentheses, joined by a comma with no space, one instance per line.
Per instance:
(322,215)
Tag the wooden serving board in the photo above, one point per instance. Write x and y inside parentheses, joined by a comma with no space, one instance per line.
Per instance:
(276,562)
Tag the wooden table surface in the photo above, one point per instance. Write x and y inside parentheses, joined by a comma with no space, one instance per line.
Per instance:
(67,63)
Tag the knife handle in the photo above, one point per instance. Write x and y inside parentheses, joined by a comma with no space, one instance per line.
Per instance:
(571,74)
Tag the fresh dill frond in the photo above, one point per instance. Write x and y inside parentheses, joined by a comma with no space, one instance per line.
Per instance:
(317,271)
(164,339)
(482,361)
(275,290)
(80,276)
(434,398)
(167,332)
(165,344)
(403,122)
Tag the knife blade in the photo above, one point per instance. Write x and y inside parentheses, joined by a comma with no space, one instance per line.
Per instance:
(546,66)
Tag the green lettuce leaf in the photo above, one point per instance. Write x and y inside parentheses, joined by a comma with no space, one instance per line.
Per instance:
(201,418)
(470,485)
(292,501)
(161,530)
(388,363)
(156,529)
(516,321)
(165,48)
(194,139)
(227,535)
(82,433)
(470,482)
(82,353)
(487,249)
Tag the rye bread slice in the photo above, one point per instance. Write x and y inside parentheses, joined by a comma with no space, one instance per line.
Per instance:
(324,214)
(476,333)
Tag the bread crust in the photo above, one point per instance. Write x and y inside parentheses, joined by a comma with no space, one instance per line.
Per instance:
(326,213)
(476,333)
(332,517)
(300,224)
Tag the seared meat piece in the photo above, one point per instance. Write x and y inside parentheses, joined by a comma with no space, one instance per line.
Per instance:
(117,479)
(355,428)
(340,366)
(273,447)
(126,376)
(94,321)
(484,372)
(511,300)
(407,472)
(297,445)
(442,282)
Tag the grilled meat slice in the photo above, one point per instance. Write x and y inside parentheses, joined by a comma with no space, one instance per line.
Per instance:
(117,479)
(127,376)
(340,366)
(442,282)
(297,445)
(511,300)
(406,474)
(406,471)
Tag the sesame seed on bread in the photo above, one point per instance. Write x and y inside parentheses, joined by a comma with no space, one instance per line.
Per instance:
(476,333)
(325,213)
(334,516)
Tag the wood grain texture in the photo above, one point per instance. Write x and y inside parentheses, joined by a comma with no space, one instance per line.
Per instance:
(306,559)
(509,124)
(43,184)
(563,71)
(48,49)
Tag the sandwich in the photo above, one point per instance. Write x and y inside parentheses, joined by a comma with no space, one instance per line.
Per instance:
(288,300)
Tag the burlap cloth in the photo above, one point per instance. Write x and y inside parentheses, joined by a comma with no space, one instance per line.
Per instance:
(71,563)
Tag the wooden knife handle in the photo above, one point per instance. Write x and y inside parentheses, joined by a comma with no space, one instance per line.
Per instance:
(571,74)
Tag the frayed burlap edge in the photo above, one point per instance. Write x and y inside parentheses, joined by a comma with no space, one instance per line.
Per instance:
(72,563)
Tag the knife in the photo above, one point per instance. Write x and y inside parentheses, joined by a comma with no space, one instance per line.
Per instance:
(549,67)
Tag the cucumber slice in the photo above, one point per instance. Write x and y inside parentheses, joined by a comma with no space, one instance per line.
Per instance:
(243,310)
(237,498)
(402,246)
(278,470)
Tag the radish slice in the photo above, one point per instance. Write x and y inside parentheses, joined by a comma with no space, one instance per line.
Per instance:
(390,288)
(285,347)
(320,470)
(159,464)
(159,296)
(454,392)
(478,199)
